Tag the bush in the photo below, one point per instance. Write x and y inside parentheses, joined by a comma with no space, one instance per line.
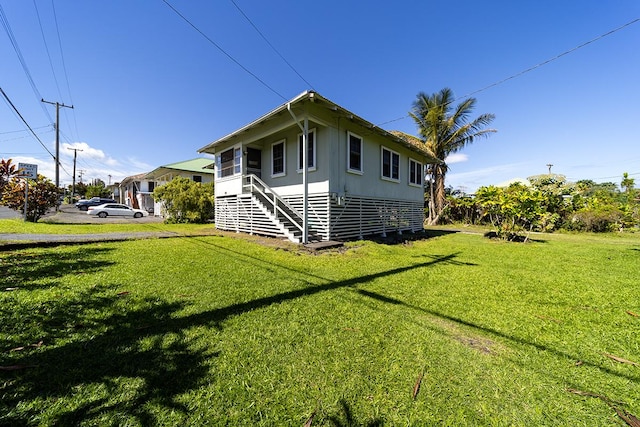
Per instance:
(599,220)
(185,201)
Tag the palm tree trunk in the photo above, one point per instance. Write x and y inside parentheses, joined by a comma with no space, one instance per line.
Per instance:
(439,196)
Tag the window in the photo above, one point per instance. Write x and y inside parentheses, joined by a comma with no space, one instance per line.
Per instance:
(197,178)
(237,158)
(311,151)
(151,185)
(390,164)
(416,172)
(278,159)
(354,153)
(228,162)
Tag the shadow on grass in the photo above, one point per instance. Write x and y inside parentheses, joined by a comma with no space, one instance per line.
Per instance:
(108,357)
(405,238)
(27,270)
(94,356)
(493,332)
(349,419)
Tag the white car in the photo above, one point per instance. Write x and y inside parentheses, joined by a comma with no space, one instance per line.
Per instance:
(115,209)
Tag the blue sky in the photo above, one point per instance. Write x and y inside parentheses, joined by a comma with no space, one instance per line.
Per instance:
(148,89)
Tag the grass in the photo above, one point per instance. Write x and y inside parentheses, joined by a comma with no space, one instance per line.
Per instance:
(222,331)
(20,226)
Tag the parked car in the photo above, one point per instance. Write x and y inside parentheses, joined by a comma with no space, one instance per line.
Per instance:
(115,209)
(84,204)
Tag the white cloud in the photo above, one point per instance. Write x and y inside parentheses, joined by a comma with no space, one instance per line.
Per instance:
(456,158)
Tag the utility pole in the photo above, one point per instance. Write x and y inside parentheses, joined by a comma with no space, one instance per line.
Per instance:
(73,187)
(58,105)
(549,166)
(80,173)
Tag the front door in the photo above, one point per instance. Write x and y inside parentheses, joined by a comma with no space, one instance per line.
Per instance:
(254,161)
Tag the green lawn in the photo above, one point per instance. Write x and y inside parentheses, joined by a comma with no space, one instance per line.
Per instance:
(20,226)
(220,330)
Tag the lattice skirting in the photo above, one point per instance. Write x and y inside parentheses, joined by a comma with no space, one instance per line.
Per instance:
(354,217)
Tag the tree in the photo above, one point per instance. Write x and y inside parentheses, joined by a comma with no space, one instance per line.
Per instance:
(185,201)
(512,210)
(7,171)
(43,195)
(96,191)
(445,130)
(81,189)
(627,183)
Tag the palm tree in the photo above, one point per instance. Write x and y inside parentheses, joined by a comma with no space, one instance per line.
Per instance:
(7,171)
(445,130)
(627,183)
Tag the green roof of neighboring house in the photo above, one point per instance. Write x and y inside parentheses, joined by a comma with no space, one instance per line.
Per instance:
(199,165)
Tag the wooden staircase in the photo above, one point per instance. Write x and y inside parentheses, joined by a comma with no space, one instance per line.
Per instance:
(286,220)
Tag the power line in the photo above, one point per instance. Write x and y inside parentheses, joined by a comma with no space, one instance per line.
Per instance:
(245,69)
(499,82)
(553,59)
(23,130)
(271,45)
(64,64)
(25,122)
(16,48)
(46,48)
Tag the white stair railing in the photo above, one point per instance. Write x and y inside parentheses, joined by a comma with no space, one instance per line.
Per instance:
(276,204)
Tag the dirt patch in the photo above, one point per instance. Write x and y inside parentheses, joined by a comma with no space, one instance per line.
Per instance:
(482,344)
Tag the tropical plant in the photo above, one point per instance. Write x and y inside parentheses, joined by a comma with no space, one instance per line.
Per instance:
(42,196)
(445,129)
(96,191)
(627,183)
(185,201)
(512,210)
(7,171)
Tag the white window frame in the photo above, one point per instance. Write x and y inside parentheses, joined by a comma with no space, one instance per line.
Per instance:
(315,151)
(359,171)
(419,172)
(237,162)
(392,155)
(284,159)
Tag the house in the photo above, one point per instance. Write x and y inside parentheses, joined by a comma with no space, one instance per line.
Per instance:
(197,170)
(353,178)
(137,190)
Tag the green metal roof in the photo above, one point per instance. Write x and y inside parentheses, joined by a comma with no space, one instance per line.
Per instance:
(198,165)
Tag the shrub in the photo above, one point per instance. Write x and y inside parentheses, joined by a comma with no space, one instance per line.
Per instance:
(185,201)
(598,220)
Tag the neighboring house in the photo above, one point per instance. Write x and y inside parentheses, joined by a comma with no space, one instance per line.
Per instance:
(114,190)
(197,170)
(359,180)
(136,190)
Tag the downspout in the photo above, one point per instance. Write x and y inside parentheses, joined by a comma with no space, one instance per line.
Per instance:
(305,183)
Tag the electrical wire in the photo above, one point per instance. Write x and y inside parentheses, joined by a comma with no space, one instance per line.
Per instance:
(46,47)
(16,48)
(514,76)
(6,97)
(271,45)
(23,130)
(64,66)
(245,69)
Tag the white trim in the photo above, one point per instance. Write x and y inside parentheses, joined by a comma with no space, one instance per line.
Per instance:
(218,168)
(393,153)
(315,151)
(284,159)
(419,173)
(349,168)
